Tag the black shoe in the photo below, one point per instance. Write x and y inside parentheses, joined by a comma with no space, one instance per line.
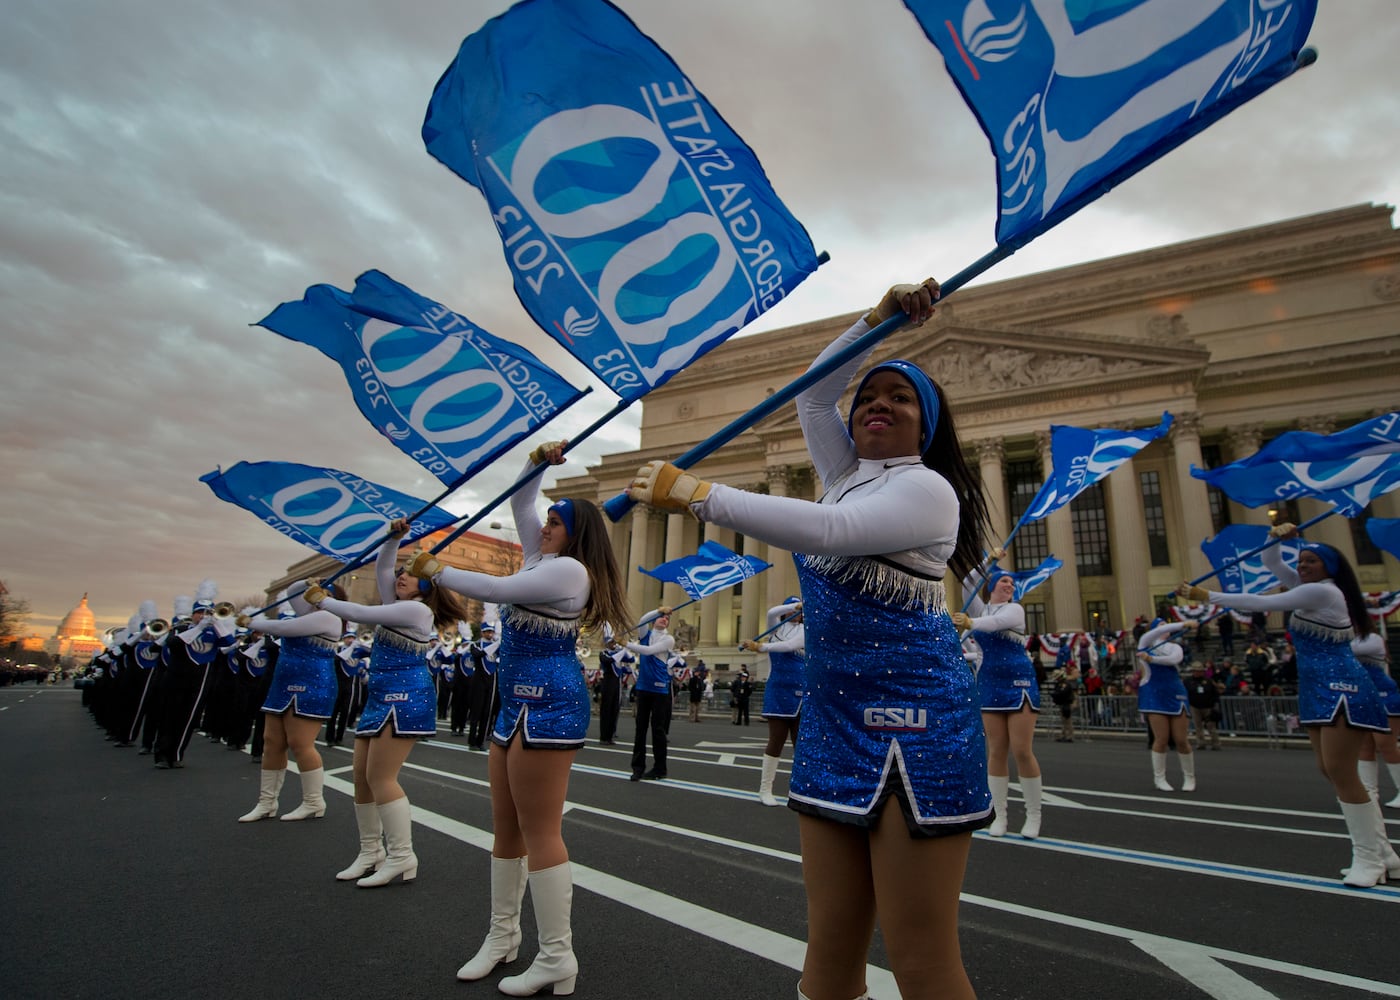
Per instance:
(606,743)
(238,747)
(653,776)
(124,743)
(163,765)
(177,763)
(636,776)
(257,758)
(143,751)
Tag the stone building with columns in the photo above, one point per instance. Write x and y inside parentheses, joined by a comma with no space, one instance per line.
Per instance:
(1241,336)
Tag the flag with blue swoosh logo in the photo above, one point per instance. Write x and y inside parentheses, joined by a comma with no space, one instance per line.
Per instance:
(1080,457)
(1350,483)
(1024,581)
(713,568)
(1250,575)
(1075,97)
(335,513)
(640,230)
(448,394)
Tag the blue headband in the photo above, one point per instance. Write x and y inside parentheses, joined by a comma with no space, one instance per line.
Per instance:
(1326,553)
(565,509)
(923,388)
(792,600)
(994,576)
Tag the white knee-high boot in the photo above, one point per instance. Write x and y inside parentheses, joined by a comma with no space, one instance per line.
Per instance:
(765,780)
(1394,770)
(1369,771)
(998,785)
(397,820)
(502,944)
(552,893)
(1159,772)
(1188,771)
(1030,791)
(313,802)
(270,786)
(1367,868)
(371,843)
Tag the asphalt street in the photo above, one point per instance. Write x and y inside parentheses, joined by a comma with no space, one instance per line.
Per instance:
(123,881)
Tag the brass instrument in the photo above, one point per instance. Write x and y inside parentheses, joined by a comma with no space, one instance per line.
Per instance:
(157,627)
(224,609)
(365,635)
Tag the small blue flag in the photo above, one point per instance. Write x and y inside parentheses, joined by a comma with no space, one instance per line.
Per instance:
(1385,532)
(713,568)
(1249,576)
(447,394)
(1081,457)
(640,229)
(1027,580)
(333,512)
(1077,97)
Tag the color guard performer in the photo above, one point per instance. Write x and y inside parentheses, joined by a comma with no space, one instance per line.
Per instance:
(785,688)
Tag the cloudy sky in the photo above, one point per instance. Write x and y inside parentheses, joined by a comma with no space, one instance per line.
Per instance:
(170,172)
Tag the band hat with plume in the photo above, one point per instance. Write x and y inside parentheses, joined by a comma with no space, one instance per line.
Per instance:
(147,612)
(184,604)
(205,595)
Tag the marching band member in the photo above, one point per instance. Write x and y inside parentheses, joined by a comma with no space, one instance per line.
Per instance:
(1007,691)
(569,579)
(485,695)
(1162,701)
(786,686)
(1371,654)
(653,693)
(300,700)
(890,775)
(1337,702)
(614,660)
(188,657)
(461,668)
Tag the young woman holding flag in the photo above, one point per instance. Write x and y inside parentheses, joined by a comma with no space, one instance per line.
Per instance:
(890,775)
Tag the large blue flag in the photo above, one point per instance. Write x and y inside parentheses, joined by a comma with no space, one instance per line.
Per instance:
(1385,532)
(335,513)
(446,393)
(640,229)
(713,568)
(1349,483)
(1249,576)
(1377,436)
(1027,580)
(1075,96)
(1082,456)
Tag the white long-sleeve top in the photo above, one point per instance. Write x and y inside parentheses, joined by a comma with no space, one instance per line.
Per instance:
(1371,648)
(1168,653)
(413,618)
(894,508)
(319,622)
(662,641)
(1323,600)
(551,583)
(789,637)
(1009,616)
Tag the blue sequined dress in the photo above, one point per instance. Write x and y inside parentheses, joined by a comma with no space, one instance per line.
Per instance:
(400,693)
(543,694)
(304,680)
(1006,678)
(1330,680)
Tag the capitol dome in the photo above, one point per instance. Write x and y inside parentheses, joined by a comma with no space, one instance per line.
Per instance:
(78,623)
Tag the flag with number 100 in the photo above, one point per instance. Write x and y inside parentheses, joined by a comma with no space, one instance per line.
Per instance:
(640,229)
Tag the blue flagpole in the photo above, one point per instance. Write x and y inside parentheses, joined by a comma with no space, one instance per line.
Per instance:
(769,631)
(1255,551)
(622,503)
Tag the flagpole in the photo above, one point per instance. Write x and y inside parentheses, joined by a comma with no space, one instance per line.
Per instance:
(622,503)
(1254,552)
(768,631)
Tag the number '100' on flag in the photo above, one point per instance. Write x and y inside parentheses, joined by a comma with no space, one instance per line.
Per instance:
(640,229)
(449,395)
(1077,96)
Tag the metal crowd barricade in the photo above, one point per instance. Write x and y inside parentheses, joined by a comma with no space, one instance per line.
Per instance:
(1274,719)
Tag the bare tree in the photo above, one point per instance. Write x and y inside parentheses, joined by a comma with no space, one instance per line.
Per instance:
(14,613)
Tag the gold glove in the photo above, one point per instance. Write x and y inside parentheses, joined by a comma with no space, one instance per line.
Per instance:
(749,645)
(1193,593)
(540,455)
(895,300)
(663,485)
(961,621)
(1285,529)
(423,565)
(314,593)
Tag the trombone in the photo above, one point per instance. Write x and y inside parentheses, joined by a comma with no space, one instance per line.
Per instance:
(157,627)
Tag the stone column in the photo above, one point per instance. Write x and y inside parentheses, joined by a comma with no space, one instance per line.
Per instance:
(709,606)
(755,592)
(1185,438)
(671,594)
(991,454)
(1243,440)
(1066,607)
(782,578)
(1128,530)
(637,556)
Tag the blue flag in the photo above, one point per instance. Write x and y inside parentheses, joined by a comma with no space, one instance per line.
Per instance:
(640,229)
(1349,483)
(1077,97)
(333,512)
(1250,576)
(1385,532)
(1377,436)
(1082,456)
(1027,580)
(713,568)
(447,394)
